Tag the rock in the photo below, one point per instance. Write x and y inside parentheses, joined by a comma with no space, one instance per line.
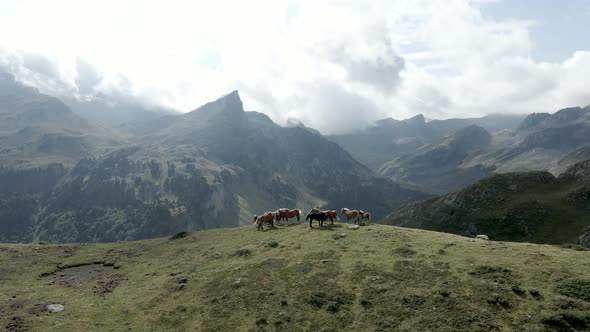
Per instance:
(482,236)
(181,286)
(584,239)
(181,280)
(343,235)
(180,308)
(354,227)
(55,307)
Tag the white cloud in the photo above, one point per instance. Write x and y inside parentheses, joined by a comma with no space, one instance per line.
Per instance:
(332,64)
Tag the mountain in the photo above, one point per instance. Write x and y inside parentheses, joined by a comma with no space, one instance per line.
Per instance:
(390,138)
(216,166)
(541,142)
(377,278)
(122,114)
(39,129)
(437,168)
(530,206)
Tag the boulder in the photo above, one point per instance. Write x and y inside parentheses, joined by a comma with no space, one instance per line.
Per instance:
(482,236)
(584,239)
(55,307)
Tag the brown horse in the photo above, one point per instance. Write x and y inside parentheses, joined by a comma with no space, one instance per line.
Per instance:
(332,214)
(268,217)
(351,214)
(286,214)
(365,215)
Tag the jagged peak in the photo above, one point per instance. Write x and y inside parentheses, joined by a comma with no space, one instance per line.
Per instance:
(230,102)
(579,169)
(417,119)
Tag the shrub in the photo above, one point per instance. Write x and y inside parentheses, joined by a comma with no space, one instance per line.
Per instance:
(179,235)
(576,288)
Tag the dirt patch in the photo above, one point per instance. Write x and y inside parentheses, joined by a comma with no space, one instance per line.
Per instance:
(108,284)
(16,324)
(83,275)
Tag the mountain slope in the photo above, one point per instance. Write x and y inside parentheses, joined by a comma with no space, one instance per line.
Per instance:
(36,129)
(390,138)
(529,206)
(438,167)
(376,278)
(541,141)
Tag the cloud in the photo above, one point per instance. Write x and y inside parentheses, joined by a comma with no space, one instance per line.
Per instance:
(334,65)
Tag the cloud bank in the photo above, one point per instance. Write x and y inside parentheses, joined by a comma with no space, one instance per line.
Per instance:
(334,65)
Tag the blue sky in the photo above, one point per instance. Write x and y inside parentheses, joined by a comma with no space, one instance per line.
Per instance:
(560,26)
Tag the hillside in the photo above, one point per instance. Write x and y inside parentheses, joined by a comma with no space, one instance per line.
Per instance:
(529,206)
(37,129)
(291,278)
(438,168)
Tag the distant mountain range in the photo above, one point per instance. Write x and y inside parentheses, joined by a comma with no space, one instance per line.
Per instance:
(69,174)
(216,166)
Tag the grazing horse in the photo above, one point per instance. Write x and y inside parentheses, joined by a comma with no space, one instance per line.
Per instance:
(365,215)
(332,214)
(286,214)
(350,214)
(319,216)
(268,217)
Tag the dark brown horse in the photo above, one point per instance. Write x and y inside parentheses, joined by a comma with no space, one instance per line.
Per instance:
(319,216)
(268,218)
(351,214)
(332,214)
(286,214)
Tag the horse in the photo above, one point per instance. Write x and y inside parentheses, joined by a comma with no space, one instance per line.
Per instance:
(268,217)
(319,216)
(350,214)
(286,214)
(332,214)
(365,215)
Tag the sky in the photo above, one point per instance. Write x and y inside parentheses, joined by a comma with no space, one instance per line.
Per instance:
(334,65)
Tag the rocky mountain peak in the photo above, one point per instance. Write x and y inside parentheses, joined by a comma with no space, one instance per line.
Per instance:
(580,169)
(229,103)
(471,137)
(533,120)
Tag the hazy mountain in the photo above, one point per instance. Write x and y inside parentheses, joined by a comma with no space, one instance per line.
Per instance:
(540,142)
(39,129)
(122,114)
(530,206)
(390,138)
(216,166)
(438,167)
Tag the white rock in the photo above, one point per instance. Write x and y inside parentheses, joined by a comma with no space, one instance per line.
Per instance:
(354,226)
(482,236)
(343,235)
(55,307)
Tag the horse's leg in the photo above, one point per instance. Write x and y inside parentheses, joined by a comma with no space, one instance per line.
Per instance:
(310,221)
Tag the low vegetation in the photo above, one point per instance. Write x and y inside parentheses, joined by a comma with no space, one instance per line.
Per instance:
(292,278)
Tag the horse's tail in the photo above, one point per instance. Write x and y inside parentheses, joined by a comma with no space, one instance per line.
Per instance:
(308,216)
(255,217)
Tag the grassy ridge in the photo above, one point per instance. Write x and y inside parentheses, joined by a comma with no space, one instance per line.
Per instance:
(292,278)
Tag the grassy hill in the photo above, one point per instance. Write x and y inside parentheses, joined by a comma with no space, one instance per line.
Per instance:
(291,278)
(528,206)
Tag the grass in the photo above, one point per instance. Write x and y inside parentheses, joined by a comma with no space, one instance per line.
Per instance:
(378,278)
